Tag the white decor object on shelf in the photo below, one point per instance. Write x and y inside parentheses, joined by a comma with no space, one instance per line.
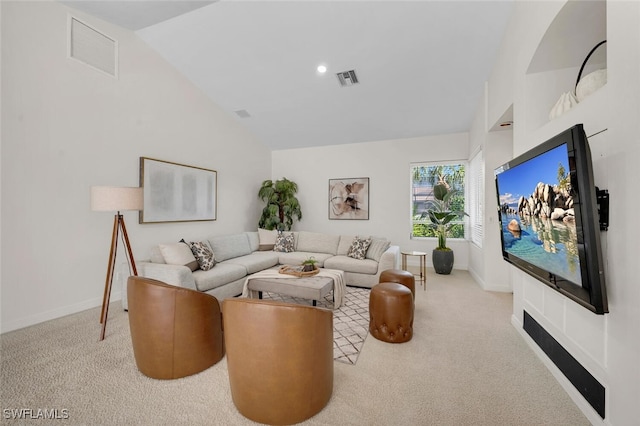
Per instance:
(593,81)
(566,102)
(590,83)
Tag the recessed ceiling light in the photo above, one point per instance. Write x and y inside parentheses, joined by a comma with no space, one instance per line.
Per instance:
(322,69)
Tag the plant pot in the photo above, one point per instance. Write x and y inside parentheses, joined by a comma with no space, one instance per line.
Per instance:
(308,268)
(442,261)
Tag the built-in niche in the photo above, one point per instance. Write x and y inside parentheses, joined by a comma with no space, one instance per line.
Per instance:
(577,29)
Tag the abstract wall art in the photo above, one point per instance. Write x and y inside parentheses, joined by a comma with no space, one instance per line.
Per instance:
(349,199)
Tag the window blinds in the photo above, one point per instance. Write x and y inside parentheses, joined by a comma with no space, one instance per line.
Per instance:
(476,198)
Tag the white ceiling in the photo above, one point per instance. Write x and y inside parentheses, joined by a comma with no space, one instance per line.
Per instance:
(421,64)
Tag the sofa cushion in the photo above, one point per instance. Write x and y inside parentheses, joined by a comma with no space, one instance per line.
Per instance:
(267,239)
(345,244)
(317,242)
(203,254)
(256,261)
(297,257)
(349,264)
(285,242)
(222,274)
(230,246)
(156,255)
(178,254)
(254,240)
(377,248)
(359,247)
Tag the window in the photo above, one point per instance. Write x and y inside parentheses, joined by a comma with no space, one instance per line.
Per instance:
(423,178)
(476,198)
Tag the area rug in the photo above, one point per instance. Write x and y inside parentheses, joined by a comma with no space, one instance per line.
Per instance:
(350,321)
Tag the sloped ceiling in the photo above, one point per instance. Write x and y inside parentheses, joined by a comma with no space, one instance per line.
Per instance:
(421,65)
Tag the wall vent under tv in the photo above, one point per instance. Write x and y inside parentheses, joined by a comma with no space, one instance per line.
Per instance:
(584,382)
(88,45)
(347,78)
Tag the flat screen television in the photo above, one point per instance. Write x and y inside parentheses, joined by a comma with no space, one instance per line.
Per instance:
(549,218)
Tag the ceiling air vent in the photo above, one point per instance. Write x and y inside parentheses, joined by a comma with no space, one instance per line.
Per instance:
(347,78)
(90,46)
(242,113)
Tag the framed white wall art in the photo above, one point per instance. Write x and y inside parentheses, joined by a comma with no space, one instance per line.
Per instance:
(176,192)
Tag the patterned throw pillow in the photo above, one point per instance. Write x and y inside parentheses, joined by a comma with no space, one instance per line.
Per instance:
(284,242)
(203,254)
(359,246)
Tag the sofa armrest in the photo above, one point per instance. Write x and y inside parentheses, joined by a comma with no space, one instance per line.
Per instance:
(390,259)
(178,275)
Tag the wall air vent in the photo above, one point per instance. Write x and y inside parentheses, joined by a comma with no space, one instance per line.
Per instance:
(347,78)
(90,46)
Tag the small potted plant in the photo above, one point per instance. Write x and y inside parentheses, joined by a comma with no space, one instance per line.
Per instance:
(441,217)
(309,264)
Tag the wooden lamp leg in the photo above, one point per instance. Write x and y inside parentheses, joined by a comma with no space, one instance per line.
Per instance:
(118,224)
(110,266)
(128,246)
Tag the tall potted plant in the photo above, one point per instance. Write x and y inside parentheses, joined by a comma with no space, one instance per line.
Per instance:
(282,205)
(442,217)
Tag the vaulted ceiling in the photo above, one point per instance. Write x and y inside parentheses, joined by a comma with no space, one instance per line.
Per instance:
(420,65)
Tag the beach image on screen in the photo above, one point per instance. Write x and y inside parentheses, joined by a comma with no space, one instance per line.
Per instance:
(538,220)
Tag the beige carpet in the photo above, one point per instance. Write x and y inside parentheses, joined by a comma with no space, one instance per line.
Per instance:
(465,365)
(350,321)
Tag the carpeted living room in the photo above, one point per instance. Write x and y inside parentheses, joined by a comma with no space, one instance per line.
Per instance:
(367,106)
(465,364)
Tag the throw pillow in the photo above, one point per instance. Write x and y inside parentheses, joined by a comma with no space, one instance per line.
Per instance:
(267,239)
(284,242)
(204,255)
(359,246)
(377,248)
(178,254)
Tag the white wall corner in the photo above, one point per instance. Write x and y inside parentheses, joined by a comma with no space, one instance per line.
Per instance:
(477,278)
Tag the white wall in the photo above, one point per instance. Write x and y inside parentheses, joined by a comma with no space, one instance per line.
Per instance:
(485,263)
(387,165)
(66,127)
(608,346)
(497,151)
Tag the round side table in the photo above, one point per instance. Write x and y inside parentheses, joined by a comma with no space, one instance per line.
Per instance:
(422,277)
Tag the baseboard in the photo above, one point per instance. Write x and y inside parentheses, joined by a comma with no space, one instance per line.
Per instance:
(573,393)
(477,278)
(487,287)
(55,313)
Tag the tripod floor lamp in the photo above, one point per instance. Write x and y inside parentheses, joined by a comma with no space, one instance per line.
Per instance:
(110,198)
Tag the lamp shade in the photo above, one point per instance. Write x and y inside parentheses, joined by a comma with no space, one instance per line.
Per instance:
(115,198)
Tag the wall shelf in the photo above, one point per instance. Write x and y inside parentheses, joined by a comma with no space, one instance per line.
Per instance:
(554,67)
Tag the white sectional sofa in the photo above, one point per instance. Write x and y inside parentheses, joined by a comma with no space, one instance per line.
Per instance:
(239,255)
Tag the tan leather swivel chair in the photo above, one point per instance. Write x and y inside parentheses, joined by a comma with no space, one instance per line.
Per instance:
(280,359)
(175,331)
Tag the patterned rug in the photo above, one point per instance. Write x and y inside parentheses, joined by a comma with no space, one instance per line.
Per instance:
(350,322)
